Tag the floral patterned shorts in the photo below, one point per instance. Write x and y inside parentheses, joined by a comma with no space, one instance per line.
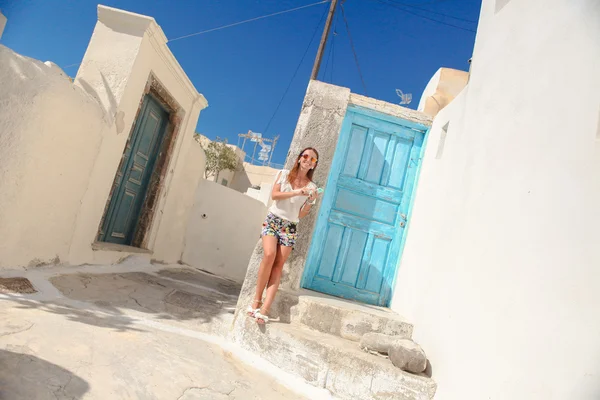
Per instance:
(284,230)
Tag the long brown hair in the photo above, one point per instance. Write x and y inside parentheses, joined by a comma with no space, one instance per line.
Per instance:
(294,172)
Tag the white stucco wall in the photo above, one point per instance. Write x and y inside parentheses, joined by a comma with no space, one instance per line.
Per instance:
(168,245)
(263,194)
(501,269)
(50,133)
(223,240)
(124,50)
(253,175)
(442,88)
(430,89)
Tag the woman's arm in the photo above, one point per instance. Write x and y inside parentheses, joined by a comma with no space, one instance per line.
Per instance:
(304,210)
(307,205)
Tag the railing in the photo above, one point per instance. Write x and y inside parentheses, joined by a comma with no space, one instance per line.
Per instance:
(253,161)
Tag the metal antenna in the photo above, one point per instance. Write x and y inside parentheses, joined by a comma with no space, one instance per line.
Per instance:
(404,98)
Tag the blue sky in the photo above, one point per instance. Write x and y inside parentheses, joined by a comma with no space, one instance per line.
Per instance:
(244,71)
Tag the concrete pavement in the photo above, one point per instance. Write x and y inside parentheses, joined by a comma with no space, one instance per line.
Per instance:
(130,331)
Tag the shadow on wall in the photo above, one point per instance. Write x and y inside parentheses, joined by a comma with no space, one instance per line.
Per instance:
(241,183)
(25,377)
(112,101)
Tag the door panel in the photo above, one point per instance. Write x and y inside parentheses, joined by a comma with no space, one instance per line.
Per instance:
(134,176)
(399,164)
(351,267)
(330,253)
(365,206)
(355,250)
(355,151)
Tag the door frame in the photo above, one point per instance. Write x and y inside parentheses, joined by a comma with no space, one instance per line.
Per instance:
(149,215)
(332,179)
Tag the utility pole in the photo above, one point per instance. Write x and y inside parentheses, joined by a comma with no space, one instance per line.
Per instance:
(317,65)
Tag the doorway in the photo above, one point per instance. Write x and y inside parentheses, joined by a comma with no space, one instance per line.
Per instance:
(356,249)
(133,178)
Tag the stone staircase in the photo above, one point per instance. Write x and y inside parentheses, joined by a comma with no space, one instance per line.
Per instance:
(316,337)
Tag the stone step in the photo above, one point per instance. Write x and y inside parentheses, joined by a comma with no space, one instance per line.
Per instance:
(330,362)
(338,317)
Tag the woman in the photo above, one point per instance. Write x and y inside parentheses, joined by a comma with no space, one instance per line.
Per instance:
(294,194)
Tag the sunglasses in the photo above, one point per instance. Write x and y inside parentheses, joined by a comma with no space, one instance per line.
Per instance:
(307,157)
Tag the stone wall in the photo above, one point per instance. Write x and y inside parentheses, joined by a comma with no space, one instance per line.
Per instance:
(318,126)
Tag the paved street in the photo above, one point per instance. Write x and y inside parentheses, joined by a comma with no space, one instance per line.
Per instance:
(125,334)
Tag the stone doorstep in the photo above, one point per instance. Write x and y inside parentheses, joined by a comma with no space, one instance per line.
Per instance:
(338,317)
(330,362)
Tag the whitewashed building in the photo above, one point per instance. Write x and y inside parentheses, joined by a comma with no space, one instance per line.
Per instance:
(501,269)
(105,166)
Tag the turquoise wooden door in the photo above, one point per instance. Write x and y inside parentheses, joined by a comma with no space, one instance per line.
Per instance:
(134,175)
(356,248)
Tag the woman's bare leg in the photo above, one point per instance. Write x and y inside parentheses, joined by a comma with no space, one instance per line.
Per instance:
(266,265)
(283,253)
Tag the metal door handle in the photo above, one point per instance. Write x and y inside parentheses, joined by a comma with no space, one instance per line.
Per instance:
(403,216)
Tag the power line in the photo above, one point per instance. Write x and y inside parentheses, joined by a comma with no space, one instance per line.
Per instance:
(431,11)
(248,20)
(424,17)
(353,49)
(296,71)
(234,24)
(429,3)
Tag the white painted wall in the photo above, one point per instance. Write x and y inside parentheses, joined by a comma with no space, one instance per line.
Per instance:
(253,175)
(50,133)
(168,246)
(501,269)
(222,242)
(442,88)
(263,194)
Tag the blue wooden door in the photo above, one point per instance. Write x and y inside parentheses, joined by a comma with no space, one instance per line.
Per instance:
(356,246)
(134,174)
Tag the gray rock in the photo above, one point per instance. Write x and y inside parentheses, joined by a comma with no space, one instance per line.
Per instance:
(408,356)
(378,342)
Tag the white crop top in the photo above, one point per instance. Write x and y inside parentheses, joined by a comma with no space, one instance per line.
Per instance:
(288,209)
